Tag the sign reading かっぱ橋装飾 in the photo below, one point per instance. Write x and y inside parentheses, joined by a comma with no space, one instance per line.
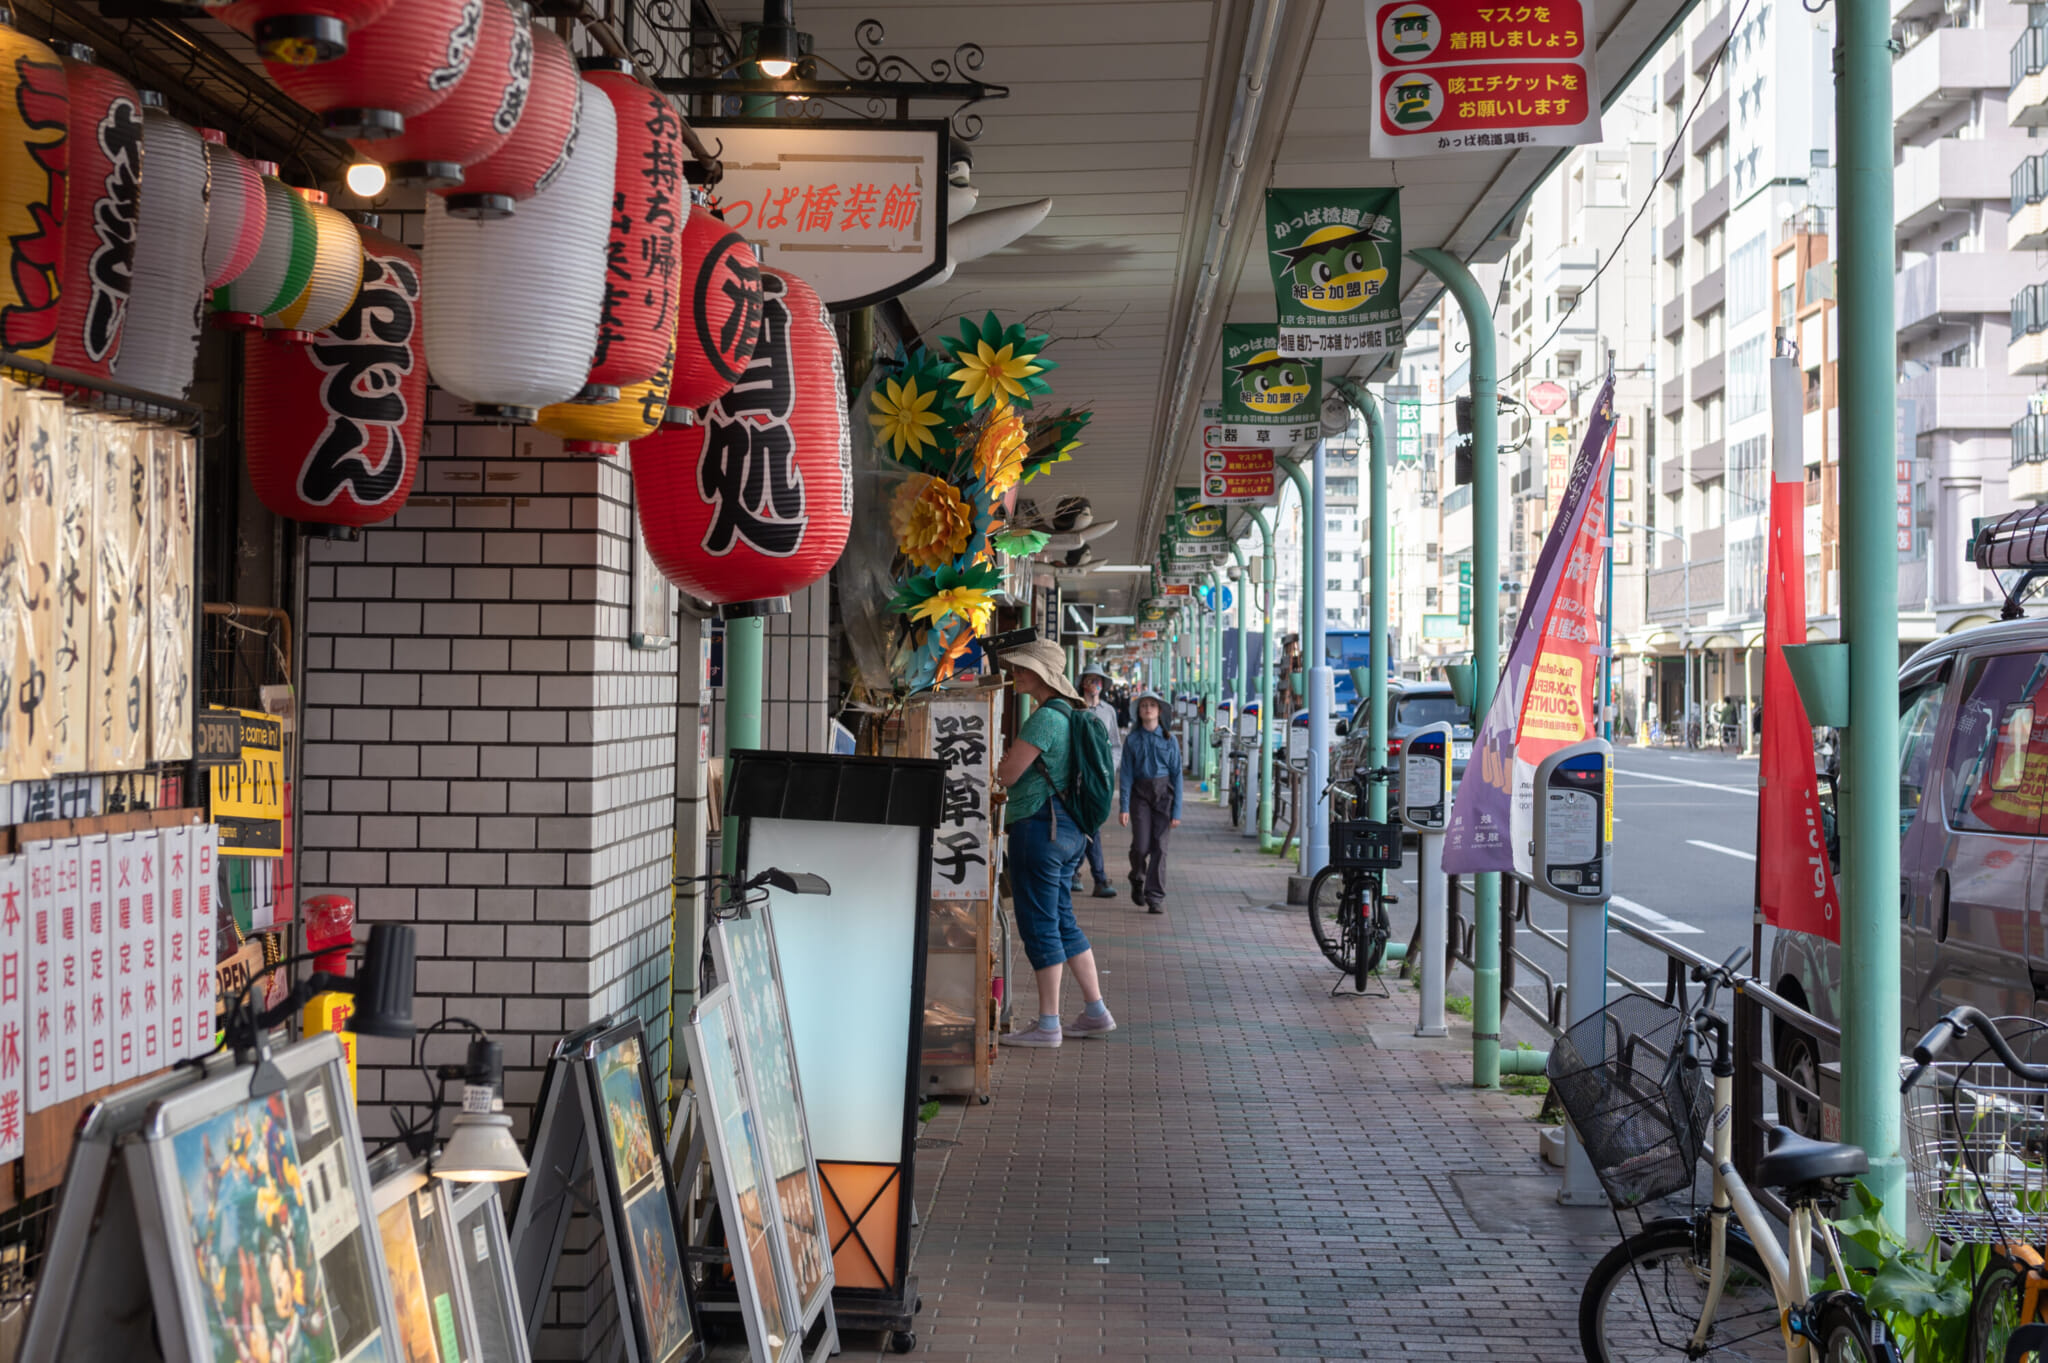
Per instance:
(1469,75)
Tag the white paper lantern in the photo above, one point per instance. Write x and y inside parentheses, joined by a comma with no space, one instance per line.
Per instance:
(337,274)
(512,304)
(161,343)
(235,210)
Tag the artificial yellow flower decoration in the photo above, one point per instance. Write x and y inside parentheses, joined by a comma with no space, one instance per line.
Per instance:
(986,373)
(903,417)
(930,521)
(969,603)
(999,454)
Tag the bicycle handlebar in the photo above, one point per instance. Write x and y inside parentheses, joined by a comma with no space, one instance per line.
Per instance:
(1960,1022)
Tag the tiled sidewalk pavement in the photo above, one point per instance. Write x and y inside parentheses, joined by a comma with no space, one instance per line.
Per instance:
(1247,1168)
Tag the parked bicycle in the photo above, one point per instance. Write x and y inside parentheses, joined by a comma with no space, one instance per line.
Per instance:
(1347,902)
(1718,1282)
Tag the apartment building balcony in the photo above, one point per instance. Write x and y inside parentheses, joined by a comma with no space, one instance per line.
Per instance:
(2027,351)
(1673,396)
(1711,207)
(1712,39)
(2026,220)
(1710,293)
(1673,83)
(1673,317)
(1709,461)
(1951,286)
(1670,478)
(1943,70)
(1965,399)
(1711,123)
(2027,481)
(2026,99)
(1949,176)
(1567,270)
(1674,236)
(1709,377)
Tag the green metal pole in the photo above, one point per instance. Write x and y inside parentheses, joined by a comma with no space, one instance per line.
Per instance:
(743,646)
(1381,556)
(1299,477)
(1870,599)
(1483,385)
(1212,759)
(1267,842)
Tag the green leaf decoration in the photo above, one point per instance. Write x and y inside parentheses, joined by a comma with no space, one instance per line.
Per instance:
(1053,440)
(1021,543)
(980,577)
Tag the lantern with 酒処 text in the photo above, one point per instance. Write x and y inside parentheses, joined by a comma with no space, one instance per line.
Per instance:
(718,308)
(512,303)
(395,69)
(35,116)
(477,115)
(105,153)
(235,210)
(755,502)
(534,155)
(334,426)
(300,32)
(602,427)
(636,336)
(283,262)
(336,274)
(160,343)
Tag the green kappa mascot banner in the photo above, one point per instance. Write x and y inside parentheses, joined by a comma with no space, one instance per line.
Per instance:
(1336,261)
(1268,399)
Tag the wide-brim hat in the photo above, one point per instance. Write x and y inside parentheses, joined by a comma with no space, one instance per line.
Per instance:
(1094,670)
(1165,709)
(1045,658)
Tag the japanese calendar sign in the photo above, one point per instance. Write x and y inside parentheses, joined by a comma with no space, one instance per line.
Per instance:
(44,1001)
(855,210)
(963,848)
(1467,75)
(1268,399)
(1335,257)
(13,1004)
(98,953)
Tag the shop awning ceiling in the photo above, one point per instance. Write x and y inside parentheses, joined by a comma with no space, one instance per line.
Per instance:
(1119,113)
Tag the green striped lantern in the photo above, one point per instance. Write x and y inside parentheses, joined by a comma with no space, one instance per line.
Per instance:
(284,262)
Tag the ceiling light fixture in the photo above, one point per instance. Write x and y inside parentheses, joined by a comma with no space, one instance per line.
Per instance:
(775,43)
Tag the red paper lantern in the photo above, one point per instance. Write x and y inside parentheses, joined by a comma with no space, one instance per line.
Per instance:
(719,279)
(334,427)
(395,69)
(636,336)
(35,119)
(477,115)
(755,502)
(300,32)
(104,196)
(538,148)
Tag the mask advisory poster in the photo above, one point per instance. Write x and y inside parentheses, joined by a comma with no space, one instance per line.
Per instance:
(1466,75)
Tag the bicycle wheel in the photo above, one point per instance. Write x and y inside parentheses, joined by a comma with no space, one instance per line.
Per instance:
(1376,931)
(1994,1313)
(1643,1301)
(1849,1335)
(1326,915)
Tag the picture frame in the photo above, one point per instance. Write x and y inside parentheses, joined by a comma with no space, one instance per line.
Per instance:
(270,1192)
(484,1250)
(429,1291)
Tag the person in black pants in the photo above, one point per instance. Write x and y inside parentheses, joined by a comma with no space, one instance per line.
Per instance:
(1148,798)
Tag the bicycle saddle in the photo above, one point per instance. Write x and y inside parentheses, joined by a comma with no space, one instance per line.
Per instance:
(1792,1159)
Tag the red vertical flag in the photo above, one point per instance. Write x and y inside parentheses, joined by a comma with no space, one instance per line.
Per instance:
(1795,887)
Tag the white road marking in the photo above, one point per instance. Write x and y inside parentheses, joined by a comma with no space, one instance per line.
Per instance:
(1681,781)
(1653,920)
(1724,851)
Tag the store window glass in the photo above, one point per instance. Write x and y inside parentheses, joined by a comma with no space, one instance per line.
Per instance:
(1998,758)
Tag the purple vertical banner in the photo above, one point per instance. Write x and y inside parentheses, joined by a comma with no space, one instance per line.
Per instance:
(1477,838)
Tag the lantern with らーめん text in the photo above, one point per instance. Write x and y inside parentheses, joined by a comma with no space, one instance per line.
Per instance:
(35,120)
(283,262)
(336,274)
(534,155)
(718,308)
(513,303)
(475,117)
(334,425)
(755,502)
(636,335)
(602,427)
(301,32)
(396,68)
(235,209)
(105,175)
(160,342)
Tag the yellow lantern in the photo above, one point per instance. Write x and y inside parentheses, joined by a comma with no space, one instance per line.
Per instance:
(601,427)
(35,119)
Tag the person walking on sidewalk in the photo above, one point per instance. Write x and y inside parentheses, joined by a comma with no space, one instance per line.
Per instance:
(1148,797)
(1093,679)
(1046,844)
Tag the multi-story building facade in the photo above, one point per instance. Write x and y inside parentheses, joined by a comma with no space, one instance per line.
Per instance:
(2026,231)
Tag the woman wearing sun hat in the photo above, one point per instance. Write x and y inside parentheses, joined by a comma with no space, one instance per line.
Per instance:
(1046,845)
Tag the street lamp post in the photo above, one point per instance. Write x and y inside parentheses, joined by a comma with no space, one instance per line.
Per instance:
(1684,625)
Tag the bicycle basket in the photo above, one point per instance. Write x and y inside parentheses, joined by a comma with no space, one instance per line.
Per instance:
(1362,845)
(1977,1152)
(1640,1115)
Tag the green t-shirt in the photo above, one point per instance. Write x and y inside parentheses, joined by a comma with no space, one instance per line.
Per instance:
(1046,731)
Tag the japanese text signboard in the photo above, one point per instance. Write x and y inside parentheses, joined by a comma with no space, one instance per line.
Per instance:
(1240,489)
(1466,75)
(856,211)
(963,848)
(1335,257)
(1237,461)
(1407,434)
(1268,399)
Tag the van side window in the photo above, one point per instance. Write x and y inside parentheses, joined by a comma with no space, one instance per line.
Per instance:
(1998,758)
(1919,713)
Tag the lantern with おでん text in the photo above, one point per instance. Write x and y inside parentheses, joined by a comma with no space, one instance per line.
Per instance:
(160,343)
(718,310)
(283,263)
(395,69)
(300,32)
(334,426)
(602,427)
(636,336)
(235,210)
(477,115)
(533,156)
(336,274)
(35,116)
(755,503)
(105,152)
(513,303)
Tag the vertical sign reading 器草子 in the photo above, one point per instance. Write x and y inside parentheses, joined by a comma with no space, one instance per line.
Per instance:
(963,849)
(1469,75)
(1335,257)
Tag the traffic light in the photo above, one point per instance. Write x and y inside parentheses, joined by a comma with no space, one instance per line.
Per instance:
(1461,447)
